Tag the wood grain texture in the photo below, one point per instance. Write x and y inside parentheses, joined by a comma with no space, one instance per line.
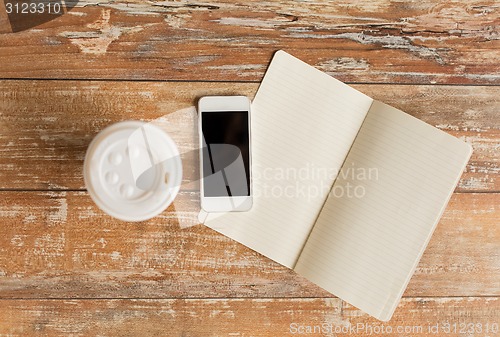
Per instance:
(47,125)
(59,245)
(378,41)
(67,269)
(243,317)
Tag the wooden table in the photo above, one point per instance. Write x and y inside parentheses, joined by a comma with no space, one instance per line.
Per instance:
(67,269)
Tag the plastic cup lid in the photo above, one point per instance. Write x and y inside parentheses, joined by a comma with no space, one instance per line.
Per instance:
(132,170)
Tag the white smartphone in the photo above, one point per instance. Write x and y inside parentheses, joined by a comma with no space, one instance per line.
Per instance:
(225,153)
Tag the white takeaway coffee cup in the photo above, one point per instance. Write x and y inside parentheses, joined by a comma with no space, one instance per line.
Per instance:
(132,170)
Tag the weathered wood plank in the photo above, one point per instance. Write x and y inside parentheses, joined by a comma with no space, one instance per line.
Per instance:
(245,317)
(378,41)
(47,125)
(59,245)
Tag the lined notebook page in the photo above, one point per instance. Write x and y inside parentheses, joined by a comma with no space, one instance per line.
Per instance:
(303,124)
(365,248)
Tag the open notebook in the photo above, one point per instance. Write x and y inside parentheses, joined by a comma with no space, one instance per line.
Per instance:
(347,190)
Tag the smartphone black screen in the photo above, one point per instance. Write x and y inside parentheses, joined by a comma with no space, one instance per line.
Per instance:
(226,157)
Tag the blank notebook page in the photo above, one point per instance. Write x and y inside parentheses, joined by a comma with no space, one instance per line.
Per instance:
(303,121)
(364,248)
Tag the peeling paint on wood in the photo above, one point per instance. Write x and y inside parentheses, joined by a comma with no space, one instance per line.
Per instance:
(102,34)
(68,269)
(91,255)
(239,317)
(410,42)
